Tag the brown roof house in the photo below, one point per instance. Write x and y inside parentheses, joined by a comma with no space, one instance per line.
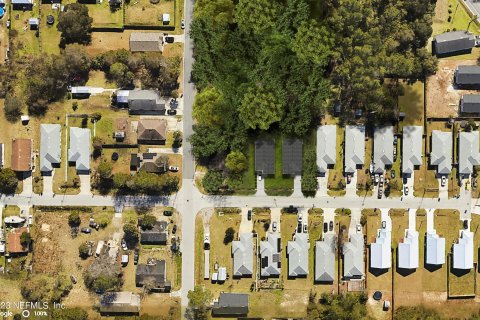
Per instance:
(14,245)
(149,162)
(123,302)
(152,131)
(22,155)
(153,275)
(146,42)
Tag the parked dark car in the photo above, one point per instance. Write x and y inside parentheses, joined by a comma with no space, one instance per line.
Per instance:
(171,112)
(86,230)
(174,230)
(392,174)
(331,225)
(169,39)
(325,227)
(249,215)
(291,209)
(167,213)
(465,224)
(135,256)
(73,279)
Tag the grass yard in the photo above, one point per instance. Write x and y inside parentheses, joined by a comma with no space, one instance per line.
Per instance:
(110,40)
(459,17)
(50,36)
(142,12)
(10,211)
(103,17)
(97,79)
(25,42)
(396,185)
(278,185)
(426,183)
(412,104)
(269,304)
(248,184)
(336,180)
(363,176)
(199,249)
(260,220)
(461,282)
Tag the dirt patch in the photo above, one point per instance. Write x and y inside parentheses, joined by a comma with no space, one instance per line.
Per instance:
(442,98)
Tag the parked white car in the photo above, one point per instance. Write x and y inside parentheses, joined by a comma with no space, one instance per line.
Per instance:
(444,181)
(173,168)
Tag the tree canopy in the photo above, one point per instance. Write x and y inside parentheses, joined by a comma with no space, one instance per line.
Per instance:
(75,24)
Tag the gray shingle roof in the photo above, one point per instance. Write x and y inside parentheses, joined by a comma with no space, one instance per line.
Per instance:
(146,41)
(79,151)
(242,251)
(50,146)
(441,154)
(297,251)
(468,152)
(231,304)
(354,147)
(470,103)
(292,156)
(353,253)
(325,259)
(412,148)
(467,75)
(451,42)
(382,148)
(265,156)
(326,147)
(270,257)
(145,102)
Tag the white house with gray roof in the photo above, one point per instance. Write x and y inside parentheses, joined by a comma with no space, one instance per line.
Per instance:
(435,247)
(382,148)
(441,154)
(412,148)
(270,255)
(380,250)
(79,150)
(408,250)
(463,251)
(325,259)
(297,252)
(50,146)
(242,251)
(326,147)
(353,253)
(354,148)
(468,153)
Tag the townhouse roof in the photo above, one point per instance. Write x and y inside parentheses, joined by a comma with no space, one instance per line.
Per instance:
(270,256)
(325,259)
(412,148)
(468,152)
(463,251)
(265,156)
(354,147)
(21,155)
(50,146)
(441,153)
(380,250)
(292,156)
(242,251)
(326,147)
(79,151)
(382,148)
(408,250)
(353,261)
(435,246)
(297,251)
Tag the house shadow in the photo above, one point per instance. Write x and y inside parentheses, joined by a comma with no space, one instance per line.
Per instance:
(457,272)
(403,271)
(429,267)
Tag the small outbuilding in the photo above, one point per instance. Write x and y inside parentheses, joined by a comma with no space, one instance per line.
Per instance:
(166,18)
(33,23)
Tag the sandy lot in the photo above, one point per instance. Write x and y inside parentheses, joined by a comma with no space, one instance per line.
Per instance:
(442,98)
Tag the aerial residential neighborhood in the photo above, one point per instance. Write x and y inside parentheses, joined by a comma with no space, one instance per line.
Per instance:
(250,159)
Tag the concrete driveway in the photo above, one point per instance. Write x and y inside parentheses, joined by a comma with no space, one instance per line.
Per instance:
(297,186)
(27,183)
(430,222)
(85,184)
(410,186)
(351,188)
(355,218)
(246,226)
(48,184)
(322,186)
(275,215)
(443,191)
(260,187)
(329,215)
(386,217)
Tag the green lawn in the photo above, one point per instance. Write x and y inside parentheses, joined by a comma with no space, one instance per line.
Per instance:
(336,180)
(459,18)
(50,36)
(412,104)
(143,12)
(103,17)
(248,182)
(25,42)
(278,185)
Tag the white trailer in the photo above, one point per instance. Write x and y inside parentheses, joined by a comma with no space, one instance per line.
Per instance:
(100,245)
(206,265)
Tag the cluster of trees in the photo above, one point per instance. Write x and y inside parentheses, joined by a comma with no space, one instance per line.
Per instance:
(151,68)
(75,24)
(333,307)
(145,182)
(198,300)
(103,276)
(309,173)
(42,288)
(8,181)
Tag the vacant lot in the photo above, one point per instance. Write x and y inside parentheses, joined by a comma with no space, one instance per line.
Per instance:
(459,18)
(104,17)
(336,180)
(279,184)
(143,12)
(442,98)
(25,41)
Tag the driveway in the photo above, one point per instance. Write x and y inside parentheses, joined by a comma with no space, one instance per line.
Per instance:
(322,186)
(246,226)
(329,215)
(260,187)
(412,213)
(275,215)
(27,184)
(304,212)
(410,186)
(85,184)
(355,218)
(430,222)
(297,186)
(443,191)
(48,184)
(351,188)
(386,217)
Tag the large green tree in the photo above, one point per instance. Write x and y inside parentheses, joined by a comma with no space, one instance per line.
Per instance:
(260,109)
(208,107)
(75,24)
(212,181)
(221,11)
(313,43)
(198,300)
(257,16)
(236,162)
(8,181)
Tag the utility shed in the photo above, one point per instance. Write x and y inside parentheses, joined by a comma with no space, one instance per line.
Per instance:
(353,262)
(463,251)
(326,147)
(265,157)
(468,152)
(441,155)
(297,252)
(292,156)
(242,251)
(79,151)
(270,258)
(454,42)
(408,250)
(50,146)
(470,103)
(231,304)
(146,42)
(382,148)
(124,302)
(354,148)
(435,247)
(467,76)
(412,148)
(325,259)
